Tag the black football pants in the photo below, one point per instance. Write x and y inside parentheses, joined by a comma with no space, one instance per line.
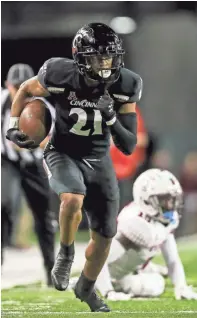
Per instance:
(95,179)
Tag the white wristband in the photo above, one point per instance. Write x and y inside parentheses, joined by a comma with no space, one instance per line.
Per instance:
(111,122)
(14,122)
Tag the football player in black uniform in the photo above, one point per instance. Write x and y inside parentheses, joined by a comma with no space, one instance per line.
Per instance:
(95,96)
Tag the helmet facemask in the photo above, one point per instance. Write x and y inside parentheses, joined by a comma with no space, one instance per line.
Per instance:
(166,205)
(100,65)
(101,68)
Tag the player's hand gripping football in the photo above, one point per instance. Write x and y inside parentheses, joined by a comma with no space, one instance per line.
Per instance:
(20,139)
(106,107)
(185,292)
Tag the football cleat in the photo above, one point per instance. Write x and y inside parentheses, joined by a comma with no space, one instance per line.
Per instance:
(60,273)
(95,303)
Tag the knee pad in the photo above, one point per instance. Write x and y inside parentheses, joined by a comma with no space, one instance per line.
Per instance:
(143,285)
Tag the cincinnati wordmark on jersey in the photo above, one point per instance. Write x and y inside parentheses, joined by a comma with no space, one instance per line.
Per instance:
(79,128)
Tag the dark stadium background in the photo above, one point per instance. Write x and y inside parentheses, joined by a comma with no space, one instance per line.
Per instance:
(160,45)
(32,51)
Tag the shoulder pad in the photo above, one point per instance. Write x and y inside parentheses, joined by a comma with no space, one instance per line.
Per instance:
(129,87)
(56,73)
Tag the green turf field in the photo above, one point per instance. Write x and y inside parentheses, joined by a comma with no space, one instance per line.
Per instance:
(34,301)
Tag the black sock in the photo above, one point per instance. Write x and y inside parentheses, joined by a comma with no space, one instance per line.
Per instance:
(68,250)
(85,285)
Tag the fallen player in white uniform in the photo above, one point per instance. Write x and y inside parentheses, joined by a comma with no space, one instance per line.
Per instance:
(146,227)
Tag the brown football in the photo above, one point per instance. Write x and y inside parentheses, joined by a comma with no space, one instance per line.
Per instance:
(35,120)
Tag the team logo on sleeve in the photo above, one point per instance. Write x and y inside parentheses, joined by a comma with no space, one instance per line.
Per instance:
(121,98)
(56,89)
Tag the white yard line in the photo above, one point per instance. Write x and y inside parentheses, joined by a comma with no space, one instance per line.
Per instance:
(88,312)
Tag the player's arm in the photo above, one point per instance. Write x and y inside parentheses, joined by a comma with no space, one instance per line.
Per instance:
(35,86)
(142,136)
(175,269)
(28,89)
(123,124)
(124,130)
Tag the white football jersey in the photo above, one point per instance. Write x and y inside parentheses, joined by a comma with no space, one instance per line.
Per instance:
(134,223)
(146,234)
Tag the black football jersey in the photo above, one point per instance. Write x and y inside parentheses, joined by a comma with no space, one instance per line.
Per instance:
(79,129)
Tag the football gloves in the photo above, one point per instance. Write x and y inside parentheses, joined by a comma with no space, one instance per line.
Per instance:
(106,107)
(20,139)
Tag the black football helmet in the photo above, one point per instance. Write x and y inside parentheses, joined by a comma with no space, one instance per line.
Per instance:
(98,53)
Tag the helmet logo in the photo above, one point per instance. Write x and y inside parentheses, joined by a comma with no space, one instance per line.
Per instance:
(74,49)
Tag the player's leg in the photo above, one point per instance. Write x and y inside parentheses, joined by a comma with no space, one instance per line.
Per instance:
(10,194)
(103,229)
(36,189)
(96,255)
(101,203)
(143,285)
(70,216)
(66,180)
(5,207)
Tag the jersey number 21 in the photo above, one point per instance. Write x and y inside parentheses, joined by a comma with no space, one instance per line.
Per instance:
(82,120)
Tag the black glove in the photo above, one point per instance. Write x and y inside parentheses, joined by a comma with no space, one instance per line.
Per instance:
(106,107)
(20,139)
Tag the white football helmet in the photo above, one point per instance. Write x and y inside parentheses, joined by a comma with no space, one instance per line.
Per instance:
(158,192)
